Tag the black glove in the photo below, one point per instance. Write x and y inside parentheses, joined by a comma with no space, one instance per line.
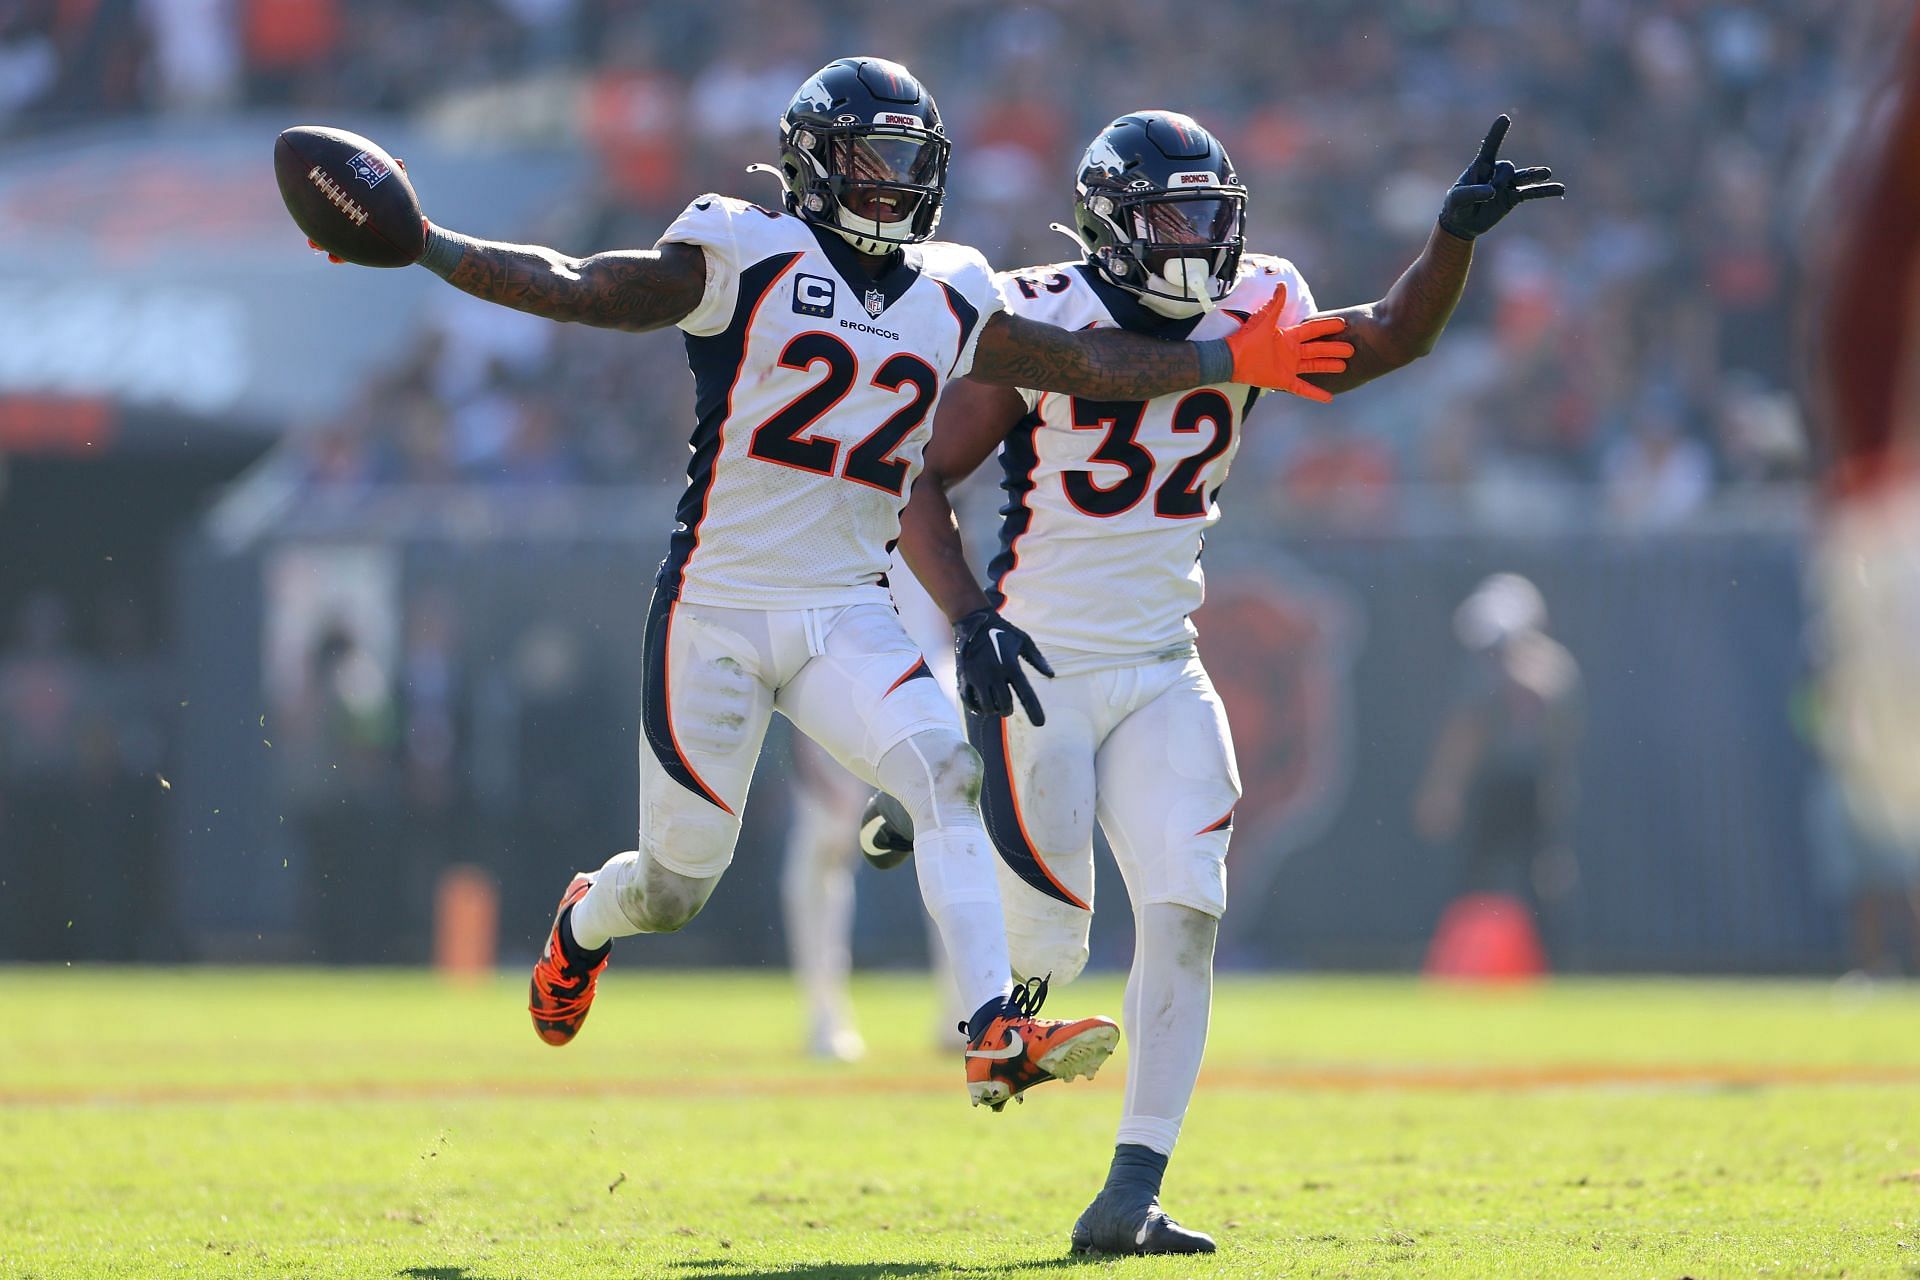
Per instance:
(987,650)
(1488,189)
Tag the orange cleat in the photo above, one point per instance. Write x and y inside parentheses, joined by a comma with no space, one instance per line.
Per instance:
(563,983)
(1017,1050)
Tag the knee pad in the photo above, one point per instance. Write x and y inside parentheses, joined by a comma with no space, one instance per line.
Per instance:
(655,898)
(1046,938)
(1057,959)
(936,776)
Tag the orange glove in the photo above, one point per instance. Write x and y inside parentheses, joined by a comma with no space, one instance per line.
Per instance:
(1266,355)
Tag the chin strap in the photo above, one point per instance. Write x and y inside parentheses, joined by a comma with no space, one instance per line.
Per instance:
(778,176)
(1070,234)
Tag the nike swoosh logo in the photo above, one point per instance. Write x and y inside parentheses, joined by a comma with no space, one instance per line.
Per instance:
(1013,1050)
(1140,1236)
(999,653)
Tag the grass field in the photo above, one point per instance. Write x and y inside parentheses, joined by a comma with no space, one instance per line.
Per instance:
(289,1123)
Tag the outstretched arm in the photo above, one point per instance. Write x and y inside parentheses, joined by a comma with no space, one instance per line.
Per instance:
(1105,364)
(1112,364)
(1404,325)
(631,289)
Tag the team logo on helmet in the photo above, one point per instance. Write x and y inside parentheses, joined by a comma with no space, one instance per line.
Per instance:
(1102,155)
(814,94)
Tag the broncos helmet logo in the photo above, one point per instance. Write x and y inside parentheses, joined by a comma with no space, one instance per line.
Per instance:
(814,94)
(1101,155)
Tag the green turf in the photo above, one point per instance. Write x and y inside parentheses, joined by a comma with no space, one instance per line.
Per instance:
(283,1123)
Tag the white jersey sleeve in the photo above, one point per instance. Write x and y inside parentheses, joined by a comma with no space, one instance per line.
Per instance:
(965,272)
(712,222)
(1260,275)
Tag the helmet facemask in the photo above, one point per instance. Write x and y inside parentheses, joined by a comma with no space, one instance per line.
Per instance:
(1177,251)
(878,186)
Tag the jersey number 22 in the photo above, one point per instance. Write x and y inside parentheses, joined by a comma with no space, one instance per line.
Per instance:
(782,439)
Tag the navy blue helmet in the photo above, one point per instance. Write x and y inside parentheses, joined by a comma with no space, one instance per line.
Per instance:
(1160,211)
(863,154)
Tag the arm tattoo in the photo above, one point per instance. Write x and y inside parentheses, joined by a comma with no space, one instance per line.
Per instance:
(1403,326)
(627,289)
(1104,364)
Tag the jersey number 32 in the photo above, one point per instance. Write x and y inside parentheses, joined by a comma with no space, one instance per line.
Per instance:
(1180,496)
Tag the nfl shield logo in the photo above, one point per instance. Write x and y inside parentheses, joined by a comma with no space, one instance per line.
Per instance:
(369,169)
(876,303)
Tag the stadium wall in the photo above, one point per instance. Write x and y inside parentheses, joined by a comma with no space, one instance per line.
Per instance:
(1335,654)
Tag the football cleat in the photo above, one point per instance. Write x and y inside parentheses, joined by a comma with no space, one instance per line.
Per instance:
(1017,1050)
(1117,1224)
(886,831)
(564,979)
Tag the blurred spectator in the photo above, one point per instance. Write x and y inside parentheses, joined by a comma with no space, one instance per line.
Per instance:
(1679,127)
(1338,477)
(196,57)
(340,748)
(633,116)
(1502,772)
(1657,475)
(291,45)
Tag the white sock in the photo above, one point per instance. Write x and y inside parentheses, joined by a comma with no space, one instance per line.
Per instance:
(950,865)
(1168,1003)
(953,859)
(597,917)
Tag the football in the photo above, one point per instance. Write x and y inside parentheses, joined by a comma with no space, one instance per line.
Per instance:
(886,831)
(350,197)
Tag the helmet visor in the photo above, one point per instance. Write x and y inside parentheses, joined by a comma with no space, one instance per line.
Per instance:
(885,174)
(1209,220)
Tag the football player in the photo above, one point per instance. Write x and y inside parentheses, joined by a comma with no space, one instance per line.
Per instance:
(820,335)
(1107,501)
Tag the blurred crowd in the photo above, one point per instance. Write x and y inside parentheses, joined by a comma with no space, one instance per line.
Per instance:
(1630,350)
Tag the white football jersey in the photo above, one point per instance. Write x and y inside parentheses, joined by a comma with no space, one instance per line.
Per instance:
(1108,501)
(814,391)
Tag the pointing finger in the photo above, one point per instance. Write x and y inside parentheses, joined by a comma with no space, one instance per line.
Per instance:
(1542,191)
(1490,145)
(1534,173)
